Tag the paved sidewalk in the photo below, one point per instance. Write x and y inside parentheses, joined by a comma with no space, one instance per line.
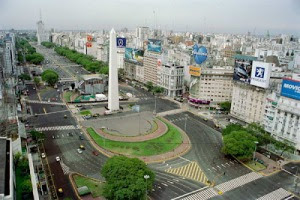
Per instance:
(161,129)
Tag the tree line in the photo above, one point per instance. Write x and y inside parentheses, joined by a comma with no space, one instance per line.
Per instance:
(88,62)
(27,53)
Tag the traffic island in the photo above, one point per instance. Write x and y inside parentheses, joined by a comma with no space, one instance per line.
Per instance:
(172,143)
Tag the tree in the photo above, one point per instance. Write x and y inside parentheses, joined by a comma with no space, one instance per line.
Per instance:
(26,186)
(51,77)
(240,144)
(17,158)
(37,136)
(149,86)
(48,44)
(232,127)
(225,106)
(104,70)
(125,178)
(25,77)
(37,81)
(158,90)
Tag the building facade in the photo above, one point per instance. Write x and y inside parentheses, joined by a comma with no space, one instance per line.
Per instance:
(93,84)
(151,63)
(212,85)
(41,34)
(171,78)
(248,102)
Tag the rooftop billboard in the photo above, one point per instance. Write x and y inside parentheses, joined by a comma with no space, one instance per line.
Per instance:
(243,68)
(135,55)
(195,71)
(200,54)
(154,45)
(290,88)
(260,74)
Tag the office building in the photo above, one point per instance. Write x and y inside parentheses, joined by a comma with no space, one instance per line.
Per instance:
(171,79)
(41,34)
(152,62)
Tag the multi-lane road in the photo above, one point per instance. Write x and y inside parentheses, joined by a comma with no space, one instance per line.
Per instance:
(174,178)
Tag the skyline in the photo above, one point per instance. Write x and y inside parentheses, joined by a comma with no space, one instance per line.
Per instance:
(214,16)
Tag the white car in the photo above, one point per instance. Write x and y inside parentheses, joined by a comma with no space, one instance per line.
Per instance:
(43,155)
(79,151)
(57,158)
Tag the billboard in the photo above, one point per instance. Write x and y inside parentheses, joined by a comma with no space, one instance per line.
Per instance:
(260,74)
(290,88)
(121,42)
(88,44)
(135,55)
(195,71)
(199,53)
(243,68)
(154,45)
(89,38)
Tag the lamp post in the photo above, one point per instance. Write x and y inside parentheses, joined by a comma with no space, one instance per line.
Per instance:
(254,150)
(146,177)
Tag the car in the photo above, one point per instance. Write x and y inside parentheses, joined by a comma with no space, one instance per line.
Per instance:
(78,106)
(70,134)
(79,151)
(96,153)
(57,158)
(81,137)
(53,136)
(205,119)
(65,116)
(60,192)
(43,155)
(82,147)
(36,115)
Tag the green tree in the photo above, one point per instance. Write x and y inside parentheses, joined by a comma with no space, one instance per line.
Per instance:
(48,44)
(104,70)
(158,90)
(225,106)
(232,127)
(50,76)
(17,158)
(25,77)
(240,144)
(37,81)
(149,86)
(125,178)
(37,136)
(26,186)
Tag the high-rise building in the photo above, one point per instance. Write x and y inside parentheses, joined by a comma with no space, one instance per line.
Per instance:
(142,34)
(213,85)
(41,34)
(151,64)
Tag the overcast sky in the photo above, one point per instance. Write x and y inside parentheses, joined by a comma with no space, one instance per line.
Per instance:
(227,16)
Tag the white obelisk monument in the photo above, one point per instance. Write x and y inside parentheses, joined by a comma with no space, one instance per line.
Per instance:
(113,87)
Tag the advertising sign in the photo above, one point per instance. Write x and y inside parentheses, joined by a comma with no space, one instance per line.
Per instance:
(135,55)
(89,38)
(290,88)
(88,44)
(154,45)
(243,68)
(195,71)
(260,74)
(199,53)
(121,42)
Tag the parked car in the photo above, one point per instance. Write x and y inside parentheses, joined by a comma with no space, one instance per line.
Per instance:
(43,155)
(57,158)
(96,153)
(82,147)
(81,137)
(79,151)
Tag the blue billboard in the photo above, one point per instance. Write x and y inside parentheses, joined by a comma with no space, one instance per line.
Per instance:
(154,45)
(290,88)
(121,42)
(200,54)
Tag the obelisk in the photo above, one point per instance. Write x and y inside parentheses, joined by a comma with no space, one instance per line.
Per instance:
(113,87)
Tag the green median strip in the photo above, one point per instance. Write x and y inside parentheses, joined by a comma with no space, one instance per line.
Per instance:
(94,186)
(160,145)
(85,112)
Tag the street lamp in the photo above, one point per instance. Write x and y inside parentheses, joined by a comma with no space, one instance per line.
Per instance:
(254,150)
(146,177)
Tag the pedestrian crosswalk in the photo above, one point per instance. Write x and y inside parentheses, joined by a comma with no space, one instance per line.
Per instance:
(203,195)
(191,171)
(237,182)
(276,195)
(57,128)
(65,168)
(177,119)
(44,102)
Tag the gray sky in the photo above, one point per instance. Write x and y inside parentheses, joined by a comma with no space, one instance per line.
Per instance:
(228,16)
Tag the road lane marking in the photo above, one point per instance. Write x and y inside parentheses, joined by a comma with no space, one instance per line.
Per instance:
(45,110)
(185,159)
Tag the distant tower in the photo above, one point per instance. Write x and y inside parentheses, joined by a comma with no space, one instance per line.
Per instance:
(41,34)
(113,88)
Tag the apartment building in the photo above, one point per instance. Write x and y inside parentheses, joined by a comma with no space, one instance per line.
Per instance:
(152,62)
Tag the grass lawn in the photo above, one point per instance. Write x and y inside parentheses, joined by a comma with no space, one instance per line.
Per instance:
(85,112)
(94,186)
(67,96)
(255,165)
(162,144)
